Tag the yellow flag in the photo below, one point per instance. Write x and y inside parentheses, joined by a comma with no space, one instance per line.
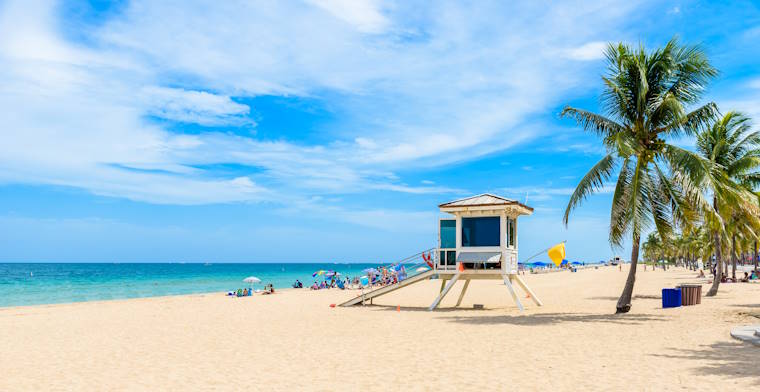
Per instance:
(557,253)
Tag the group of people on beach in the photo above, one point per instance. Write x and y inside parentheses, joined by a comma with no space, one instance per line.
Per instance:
(247,292)
(342,284)
(383,276)
(725,279)
(379,276)
(333,283)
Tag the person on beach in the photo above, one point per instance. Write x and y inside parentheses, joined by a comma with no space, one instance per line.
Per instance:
(745,278)
(701,274)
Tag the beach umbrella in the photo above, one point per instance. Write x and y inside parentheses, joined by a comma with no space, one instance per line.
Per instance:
(576,263)
(252,280)
(331,273)
(320,272)
(540,264)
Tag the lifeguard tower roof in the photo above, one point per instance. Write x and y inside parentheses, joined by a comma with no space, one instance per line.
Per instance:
(485,201)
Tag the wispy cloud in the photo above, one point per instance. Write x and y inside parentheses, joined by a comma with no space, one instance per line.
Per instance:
(365,15)
(199,107)
(425,87)
(589,51)
(543,193)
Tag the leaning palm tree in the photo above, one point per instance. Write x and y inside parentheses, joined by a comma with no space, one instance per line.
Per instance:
(645,100)
(734,153)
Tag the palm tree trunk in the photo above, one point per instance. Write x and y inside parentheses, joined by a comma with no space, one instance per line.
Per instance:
(725,267)
(755,257)
(662,258)
(718,266)
(692,263)
(733,257)
(624,302)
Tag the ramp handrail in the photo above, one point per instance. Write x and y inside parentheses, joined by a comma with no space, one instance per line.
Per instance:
(411,265)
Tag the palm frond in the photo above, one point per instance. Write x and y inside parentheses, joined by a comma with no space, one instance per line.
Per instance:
(592,182)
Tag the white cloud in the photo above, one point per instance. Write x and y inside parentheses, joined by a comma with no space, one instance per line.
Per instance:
(542,193)
(365,15)
(747,103)
(589,51)
(198,107)
(428,87)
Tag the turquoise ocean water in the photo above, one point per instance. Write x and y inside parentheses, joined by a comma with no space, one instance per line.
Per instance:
(47,283)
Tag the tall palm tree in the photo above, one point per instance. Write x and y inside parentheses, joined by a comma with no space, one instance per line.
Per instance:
(645,100)
(652,248)
(734,153)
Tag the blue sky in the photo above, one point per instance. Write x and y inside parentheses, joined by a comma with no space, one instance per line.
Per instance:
(316,130)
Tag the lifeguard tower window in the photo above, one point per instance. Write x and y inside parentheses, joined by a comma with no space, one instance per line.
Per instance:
(481,231)
(448,233)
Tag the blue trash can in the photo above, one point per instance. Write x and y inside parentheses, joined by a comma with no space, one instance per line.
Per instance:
(671,298)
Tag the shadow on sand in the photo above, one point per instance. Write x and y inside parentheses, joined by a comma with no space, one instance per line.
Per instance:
(728,359)
(487,316)
(556,318)
(421,308)
(637,296)
(757,306)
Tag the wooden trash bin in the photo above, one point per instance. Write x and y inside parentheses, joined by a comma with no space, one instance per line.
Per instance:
(691,294)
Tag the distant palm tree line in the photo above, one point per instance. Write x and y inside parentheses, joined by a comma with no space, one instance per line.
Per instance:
(697,203)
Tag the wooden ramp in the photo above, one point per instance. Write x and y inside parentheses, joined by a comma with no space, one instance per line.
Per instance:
(390,288)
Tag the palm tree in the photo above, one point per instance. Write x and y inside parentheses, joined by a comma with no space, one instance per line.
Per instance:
(734,156)
(645,101)
(652,249)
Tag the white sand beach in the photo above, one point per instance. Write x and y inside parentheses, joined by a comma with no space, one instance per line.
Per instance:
(294,340)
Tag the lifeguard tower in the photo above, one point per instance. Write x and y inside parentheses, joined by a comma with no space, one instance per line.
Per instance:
(478,240)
